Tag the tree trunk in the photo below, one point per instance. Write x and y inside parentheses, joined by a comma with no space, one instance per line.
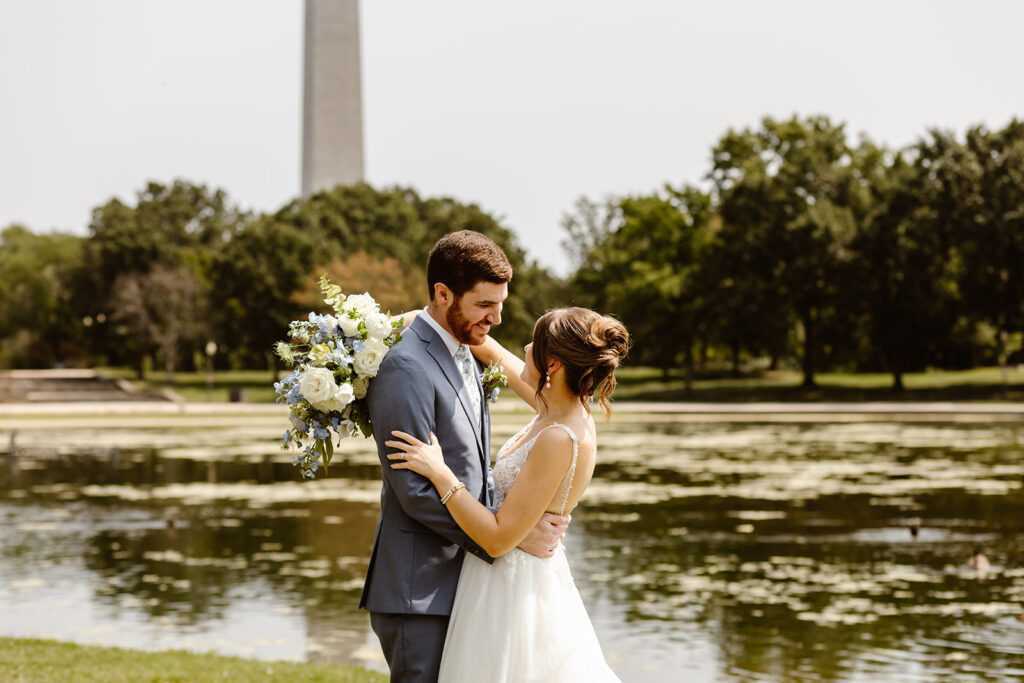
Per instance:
(140,367)
(169,367)
(688,365)
(809,342)
(897,380)
(1003,357)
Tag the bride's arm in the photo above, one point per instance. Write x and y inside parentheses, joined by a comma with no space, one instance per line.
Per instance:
(493,352)
(533,491)
(407,318)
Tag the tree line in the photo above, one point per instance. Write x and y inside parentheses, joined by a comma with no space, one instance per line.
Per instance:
(808,246)
(159,281)
(800,245)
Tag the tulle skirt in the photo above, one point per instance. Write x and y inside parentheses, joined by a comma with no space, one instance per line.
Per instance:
(518,620)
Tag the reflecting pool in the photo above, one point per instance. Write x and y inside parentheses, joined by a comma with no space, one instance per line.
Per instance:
(704,551)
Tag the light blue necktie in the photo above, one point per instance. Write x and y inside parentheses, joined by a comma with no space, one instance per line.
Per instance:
(464,359)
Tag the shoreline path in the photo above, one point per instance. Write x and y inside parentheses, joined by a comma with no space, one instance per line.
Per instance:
(634,411)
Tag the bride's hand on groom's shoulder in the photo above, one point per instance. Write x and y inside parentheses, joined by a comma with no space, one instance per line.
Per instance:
(545,536)
(407,318)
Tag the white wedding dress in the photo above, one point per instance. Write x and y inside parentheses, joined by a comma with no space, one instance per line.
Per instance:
(521,619)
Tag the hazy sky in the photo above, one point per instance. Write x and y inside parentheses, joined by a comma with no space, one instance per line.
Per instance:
(520,107)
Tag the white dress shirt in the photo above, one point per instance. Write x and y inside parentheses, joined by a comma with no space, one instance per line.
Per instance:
(451,342)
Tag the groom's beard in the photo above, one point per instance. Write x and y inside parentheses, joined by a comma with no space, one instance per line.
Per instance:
(464,331)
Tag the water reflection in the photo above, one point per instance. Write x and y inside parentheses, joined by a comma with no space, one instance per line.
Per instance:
(723,551)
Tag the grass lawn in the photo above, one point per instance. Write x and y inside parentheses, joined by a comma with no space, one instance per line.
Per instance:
(979,384)
(30,660)
(646,384)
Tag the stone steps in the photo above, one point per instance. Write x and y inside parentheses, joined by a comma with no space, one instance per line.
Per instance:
(66,385)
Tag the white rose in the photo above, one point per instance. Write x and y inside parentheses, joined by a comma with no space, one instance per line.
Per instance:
(317,386)
(362,303)
(342,397)
(360,385)
(368,360)
(332,322)
(378,325)
(349,326)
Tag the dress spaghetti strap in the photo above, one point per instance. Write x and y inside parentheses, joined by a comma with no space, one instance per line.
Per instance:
(567,481)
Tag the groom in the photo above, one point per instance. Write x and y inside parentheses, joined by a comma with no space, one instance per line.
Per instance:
(429,382)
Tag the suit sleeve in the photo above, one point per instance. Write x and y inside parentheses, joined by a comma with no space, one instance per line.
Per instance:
(399,399)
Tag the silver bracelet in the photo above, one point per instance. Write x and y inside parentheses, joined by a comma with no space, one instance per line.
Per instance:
(451,492)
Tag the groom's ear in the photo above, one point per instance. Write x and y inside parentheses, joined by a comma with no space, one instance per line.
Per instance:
(442,294)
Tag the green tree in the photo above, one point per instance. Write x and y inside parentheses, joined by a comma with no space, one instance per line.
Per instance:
(165,306)
(991,232)
(176,225)
(646,270)
(587,226)
(788,189)
(37,325)
(254,278)
(904,265)
(364,237)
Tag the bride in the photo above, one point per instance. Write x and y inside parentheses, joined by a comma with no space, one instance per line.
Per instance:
(522,619)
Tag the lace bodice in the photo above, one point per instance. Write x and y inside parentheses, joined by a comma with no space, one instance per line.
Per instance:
(510,463)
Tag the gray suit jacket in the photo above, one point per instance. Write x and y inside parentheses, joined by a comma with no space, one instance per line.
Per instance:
(418,548)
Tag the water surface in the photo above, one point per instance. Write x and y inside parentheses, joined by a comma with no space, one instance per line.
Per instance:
(703,551)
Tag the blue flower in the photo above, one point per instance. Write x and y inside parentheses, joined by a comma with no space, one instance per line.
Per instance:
(493,396)
(299,424)
(287,436)
(321,433)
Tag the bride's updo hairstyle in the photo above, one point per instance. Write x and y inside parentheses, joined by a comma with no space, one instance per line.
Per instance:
(589,345)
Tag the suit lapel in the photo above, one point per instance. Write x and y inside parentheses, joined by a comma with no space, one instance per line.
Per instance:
(443,357)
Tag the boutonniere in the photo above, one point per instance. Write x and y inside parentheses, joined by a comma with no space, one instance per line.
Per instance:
(493,380)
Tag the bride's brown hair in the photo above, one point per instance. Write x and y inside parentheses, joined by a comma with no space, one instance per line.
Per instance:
(590,347)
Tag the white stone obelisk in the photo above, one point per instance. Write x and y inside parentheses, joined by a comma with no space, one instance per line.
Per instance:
(332,111)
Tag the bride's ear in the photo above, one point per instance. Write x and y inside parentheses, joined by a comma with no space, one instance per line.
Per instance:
(553,366)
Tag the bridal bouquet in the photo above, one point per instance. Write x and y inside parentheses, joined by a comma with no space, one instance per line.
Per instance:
(332,358)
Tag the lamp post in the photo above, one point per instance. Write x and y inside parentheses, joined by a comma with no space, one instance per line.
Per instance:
(211,351)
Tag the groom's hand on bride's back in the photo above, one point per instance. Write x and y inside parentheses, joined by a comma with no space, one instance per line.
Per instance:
(544,537)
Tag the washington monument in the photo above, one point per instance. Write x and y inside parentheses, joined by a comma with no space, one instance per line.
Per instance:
(332,106)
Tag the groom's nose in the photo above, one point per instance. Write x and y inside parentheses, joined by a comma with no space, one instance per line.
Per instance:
(494,315)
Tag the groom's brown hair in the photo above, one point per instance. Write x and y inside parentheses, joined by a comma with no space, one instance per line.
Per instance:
(461,259)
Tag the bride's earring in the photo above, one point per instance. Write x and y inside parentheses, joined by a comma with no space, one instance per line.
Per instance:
(547,381)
